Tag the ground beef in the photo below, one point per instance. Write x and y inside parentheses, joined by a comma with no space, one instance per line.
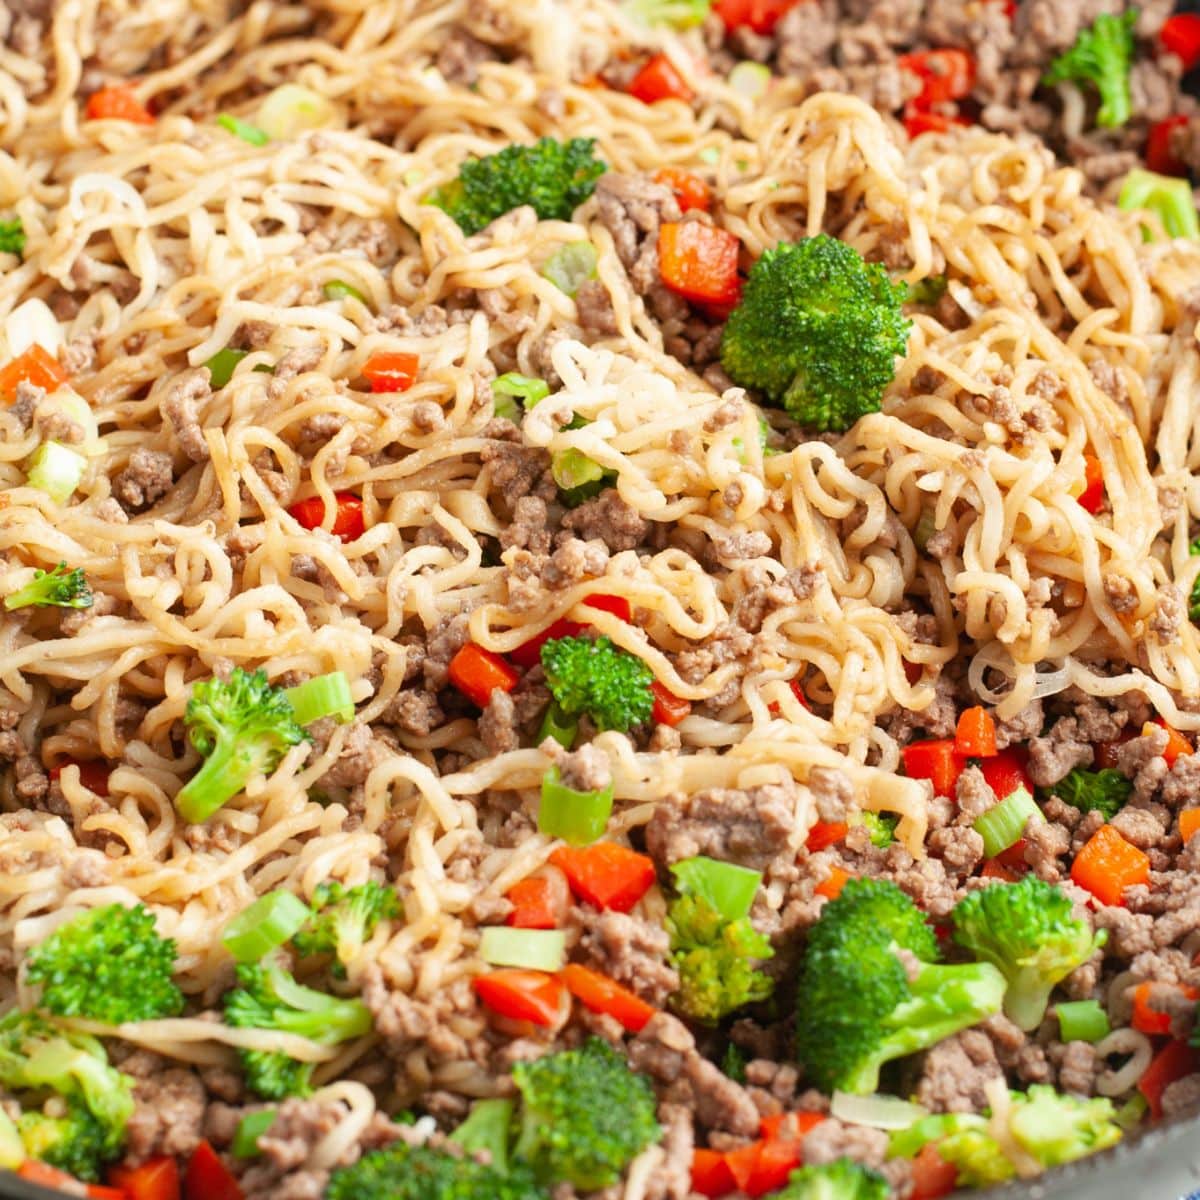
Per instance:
(178,407)
(460,56)
(514,469)
(631,950)
(1020,728)
(831,1140)
(497,724)
(414,711)
(573,560)
(1053,757)
(147,478)
(938,719)
(747,827)
(832,793)
(958,846)
(1181,1096)
(359,754)
(528,527)
(672,1180)
(955,1072)
(445,640)
(609,519)
(972,793)
(584,770)
(1141,760)
(632,209)
(595,309)
(169,1116)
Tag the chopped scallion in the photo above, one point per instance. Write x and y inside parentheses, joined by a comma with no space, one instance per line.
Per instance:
(558,725)
(571,265)
(222,365)
(513,386)
(55,470)
(12,236)
(1170,199)
(269,922)
(1004,823)
(292,108)
(243,129)
(1082,1021)
(579,818)
(572,468)
(339,289)
(250,1128)
(533,949)
(324,696)
(729,888)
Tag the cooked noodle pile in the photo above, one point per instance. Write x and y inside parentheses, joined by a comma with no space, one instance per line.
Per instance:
(159,247)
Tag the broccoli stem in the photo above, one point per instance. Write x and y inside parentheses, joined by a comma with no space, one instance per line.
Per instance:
(228,768)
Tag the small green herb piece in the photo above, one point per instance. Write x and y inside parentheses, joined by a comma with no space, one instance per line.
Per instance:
(243,129)
(58,588)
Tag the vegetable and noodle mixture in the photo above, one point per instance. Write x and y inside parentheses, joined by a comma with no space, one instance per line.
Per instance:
(598,599)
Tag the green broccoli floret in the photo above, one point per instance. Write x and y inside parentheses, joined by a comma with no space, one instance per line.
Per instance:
(592,676)
(59,588)
(842,1179)
(268,997)
(1102,55)
(487,1131)
(37,1057)
(817,331)
(403,1172)
(243,727)
(1051,1128)
(716,960)
(12,236)
(109,964)
(553,177)
(585,1116)
(856,1006)
(1026,930)
(1106,790)
(880,827)
(928,291)
(679,14)
(344,918)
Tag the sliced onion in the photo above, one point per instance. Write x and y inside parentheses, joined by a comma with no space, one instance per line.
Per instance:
(750,79)
(878,1111)
(291,109)
(29,324)
(1050,683)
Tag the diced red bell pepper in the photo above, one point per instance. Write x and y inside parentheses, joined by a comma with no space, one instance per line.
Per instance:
(47,1176)
(1189,823)
(35,366)
(605,874)
(391,371)
(1152,1020)
(523,995)
(975,735)
(1177,744)
(1106,752)
(932,1176)
(603,995)
(477,673)
(945,75)
(691,192)
(619,606)
(208,1178)
(917,121)
(912,671)
(669,709)
(699,261)
(1160,157)
(935,760)
(763,1166)
(831,888)
(759,15)
(995,869)
(711,1175)
(117,104)
(1180,35)
(798,692)
(540,901)
(93,774)
(659,80)
(1175,1060)
(789,1127)
(157,1179)
(530,652)
(1108,864)
(825,833)
(1092,497)
(348,521)
(1006,772)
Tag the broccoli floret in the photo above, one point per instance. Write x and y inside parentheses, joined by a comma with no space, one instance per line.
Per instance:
(243,727)
(109,964)
(36,1056)
(12,236)
(1102,55)
(585,1116)
(59,587)
(344,918)
(856,1006)
(487,1130)
(592,676)
(553,177)
(928,291)
(268,997)
(403,1172)
(1026,930)
(1106,790)
(880,827)
(1049,1127)
(715,959)
(842,1179)
(817,331)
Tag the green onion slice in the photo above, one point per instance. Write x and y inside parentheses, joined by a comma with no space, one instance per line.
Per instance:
(1002,825)
(558,725)
(1082,1021)
(572,468)
(250,1128)
(55,470)
(269,922)
(323,696)
(513,386)
(534,949)
(339,289)
(243,129)
(222,365)
(579,818)
(571,265)
(730,889)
